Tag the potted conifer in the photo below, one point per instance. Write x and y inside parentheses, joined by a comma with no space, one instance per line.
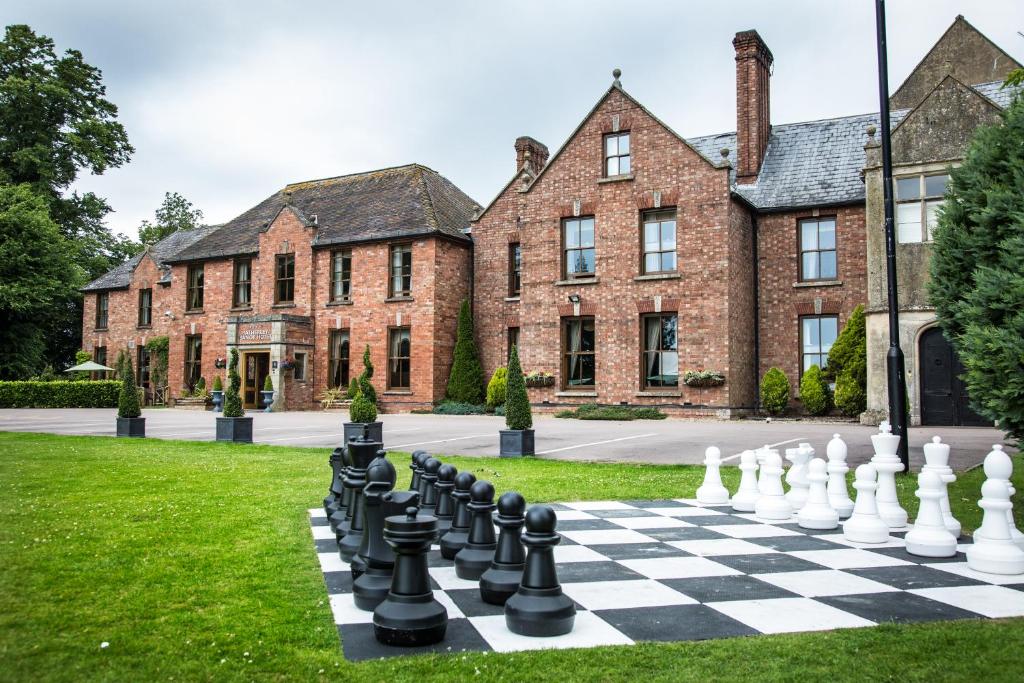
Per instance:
(267,395)
(129,413)
(517,440)
(217,395)
(234,426)
(363,411)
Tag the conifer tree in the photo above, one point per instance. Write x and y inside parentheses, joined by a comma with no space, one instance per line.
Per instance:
(466,382)
(232,399)
(517,403)
(128,396)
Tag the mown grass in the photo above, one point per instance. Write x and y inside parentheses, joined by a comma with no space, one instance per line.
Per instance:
(194,562)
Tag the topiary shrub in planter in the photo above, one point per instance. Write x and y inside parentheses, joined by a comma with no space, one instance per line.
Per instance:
(234,426)
(130,422)
(814,392)
(365,385)
(497,388)
(775,391)
(267,395)
(363,414)
(217,394)
(466,382)
(517,440)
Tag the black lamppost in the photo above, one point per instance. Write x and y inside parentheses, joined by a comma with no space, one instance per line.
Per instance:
(895,367)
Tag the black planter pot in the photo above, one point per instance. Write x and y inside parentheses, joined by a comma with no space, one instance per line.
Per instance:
(237,429)
(131,426)
(516,442)
(354,430)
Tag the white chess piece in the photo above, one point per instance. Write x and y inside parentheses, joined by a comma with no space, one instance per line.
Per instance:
(797,475)
(838,496)
(999,467)
(887,464)
(747,494)
(816,512)
(936,456)
(762,453)
(712,492)
(929,536)
(864,525)
(772,504)
(992,551)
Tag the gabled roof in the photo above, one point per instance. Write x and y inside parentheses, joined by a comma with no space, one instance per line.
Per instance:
(120,276)
(393,202)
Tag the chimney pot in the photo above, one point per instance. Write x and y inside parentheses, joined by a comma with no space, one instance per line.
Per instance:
(530,154)
(753,124)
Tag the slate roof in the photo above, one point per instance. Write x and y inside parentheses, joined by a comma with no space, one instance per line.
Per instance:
(384,204)
(120,276)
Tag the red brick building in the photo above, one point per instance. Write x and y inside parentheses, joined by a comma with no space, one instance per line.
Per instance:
(620,262)
(312,275)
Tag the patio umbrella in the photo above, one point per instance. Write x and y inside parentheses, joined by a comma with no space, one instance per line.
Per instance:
(89,366)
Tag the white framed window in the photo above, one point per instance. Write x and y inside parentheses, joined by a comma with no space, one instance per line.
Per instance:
(918,198)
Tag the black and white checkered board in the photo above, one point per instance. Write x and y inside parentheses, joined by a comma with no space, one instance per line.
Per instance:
(674,570)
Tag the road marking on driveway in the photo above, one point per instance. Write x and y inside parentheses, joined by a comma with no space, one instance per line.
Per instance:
(594,443)
(423,443)
(771,445)
(325,435)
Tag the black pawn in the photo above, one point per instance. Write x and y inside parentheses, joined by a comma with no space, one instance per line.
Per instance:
(428,494)
(453,541)
(375,556)
(384,475)
(539,608)
(502,579)
(445,509)
(409,615)
(416,470)
(361,451)
(341,517)
(335,489)
(476,557)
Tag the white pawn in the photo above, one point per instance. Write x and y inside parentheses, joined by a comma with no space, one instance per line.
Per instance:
(712,492)
(998,466)
(838,496)
(936,456)
(797,475)
(929,536)
(864,525)
(772,505)
(887,464)
(747,494)
(816,512)
(762,455)
(992,551)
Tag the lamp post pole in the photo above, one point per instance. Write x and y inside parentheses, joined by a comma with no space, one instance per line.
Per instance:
(895,366)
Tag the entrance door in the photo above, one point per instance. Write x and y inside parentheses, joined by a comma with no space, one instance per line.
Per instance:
(944,399)
(257,367)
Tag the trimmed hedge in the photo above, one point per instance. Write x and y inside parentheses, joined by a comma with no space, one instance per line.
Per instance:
(775,391)
(593,411)
(99,394)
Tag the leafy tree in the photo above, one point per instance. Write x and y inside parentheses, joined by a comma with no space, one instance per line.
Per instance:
(775,391)
(128,397)
(850,345)
(57,123)
(517,403)
(232,399)
(497,388)
(851,393)
(175,213)
(976,283)
(158,348)
(82,356)
(466,381)
(365,386)
(814,391)
(37,277)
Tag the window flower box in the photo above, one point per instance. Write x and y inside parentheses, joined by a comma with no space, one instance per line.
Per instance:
(703,379)
(539,379)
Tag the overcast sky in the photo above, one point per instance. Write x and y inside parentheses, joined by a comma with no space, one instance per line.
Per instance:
(226,102)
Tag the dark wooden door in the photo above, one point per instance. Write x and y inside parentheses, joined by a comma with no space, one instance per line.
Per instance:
(944,399)
(257,367)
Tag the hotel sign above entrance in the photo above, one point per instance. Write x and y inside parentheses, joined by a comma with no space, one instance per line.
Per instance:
(254,334)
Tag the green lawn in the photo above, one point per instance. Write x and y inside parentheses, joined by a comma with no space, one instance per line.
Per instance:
(195,562)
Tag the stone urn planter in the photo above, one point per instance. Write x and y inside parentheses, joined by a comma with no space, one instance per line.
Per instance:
(131,427)
(218,401)
(236,429)
(515,442)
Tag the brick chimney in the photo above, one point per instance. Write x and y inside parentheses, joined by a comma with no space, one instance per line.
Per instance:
(753,69)
(531,153)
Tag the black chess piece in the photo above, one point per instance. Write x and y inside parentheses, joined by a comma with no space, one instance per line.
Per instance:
(340,519)
(410,615)
(445,509)
(453,541)
(418,458)
(502,578)
(428,493)
(361,451)
(335,489)
(476,557)
(424,459)
(375,556)
(539,608)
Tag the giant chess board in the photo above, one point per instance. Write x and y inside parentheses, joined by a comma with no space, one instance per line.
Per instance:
(670,570)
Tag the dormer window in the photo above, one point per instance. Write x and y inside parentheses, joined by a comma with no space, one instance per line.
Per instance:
(616,154)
